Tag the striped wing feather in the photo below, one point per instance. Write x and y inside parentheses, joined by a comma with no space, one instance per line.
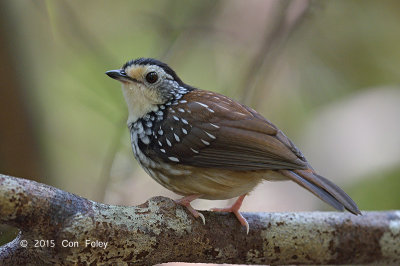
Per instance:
(221,133)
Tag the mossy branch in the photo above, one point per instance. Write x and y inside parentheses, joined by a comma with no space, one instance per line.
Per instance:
(159,231)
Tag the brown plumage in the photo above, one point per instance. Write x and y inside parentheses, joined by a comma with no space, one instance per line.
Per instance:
(201,144)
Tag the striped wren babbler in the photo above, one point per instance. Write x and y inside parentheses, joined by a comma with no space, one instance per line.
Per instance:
(201,144)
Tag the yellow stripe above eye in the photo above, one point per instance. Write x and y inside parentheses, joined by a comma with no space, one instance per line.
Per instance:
(136,71)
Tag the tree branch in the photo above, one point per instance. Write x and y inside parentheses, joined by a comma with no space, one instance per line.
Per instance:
(159,231)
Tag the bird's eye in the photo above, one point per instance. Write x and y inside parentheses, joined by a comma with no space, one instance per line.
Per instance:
(151,77)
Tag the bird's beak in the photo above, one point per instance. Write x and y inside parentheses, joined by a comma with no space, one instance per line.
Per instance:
(118,75)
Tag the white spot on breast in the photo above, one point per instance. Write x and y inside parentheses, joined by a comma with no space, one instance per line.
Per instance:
(206,106)
(159,143)
(184,131)
(145,140)
(184,121)
(183,101)
(214,125)
(175,117)
(168,142)
(163,178)
(210,135)
(160,132)
(205,142)
(162,107)
(139,128)
(172,111)
(181,110)
(173,171)
(239,113)
(193,150)
(141,135)
(162,150)
(139,155)
(174,159)
(177,137)
(223,107)
(202,104)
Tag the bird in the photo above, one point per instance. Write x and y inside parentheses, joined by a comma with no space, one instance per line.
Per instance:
(204,145)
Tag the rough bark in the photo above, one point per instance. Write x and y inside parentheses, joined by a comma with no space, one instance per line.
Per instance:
(159,231)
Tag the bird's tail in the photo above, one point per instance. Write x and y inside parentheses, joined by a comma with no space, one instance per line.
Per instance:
(323,189)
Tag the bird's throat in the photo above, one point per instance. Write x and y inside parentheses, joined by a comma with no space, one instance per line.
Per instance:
(139,101)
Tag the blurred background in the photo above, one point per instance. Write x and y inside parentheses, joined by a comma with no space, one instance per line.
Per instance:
(325,72)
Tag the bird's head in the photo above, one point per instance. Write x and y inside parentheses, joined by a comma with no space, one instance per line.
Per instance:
(147,83)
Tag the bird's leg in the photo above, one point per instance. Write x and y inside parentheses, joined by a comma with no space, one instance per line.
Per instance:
(235,209)
(185,201)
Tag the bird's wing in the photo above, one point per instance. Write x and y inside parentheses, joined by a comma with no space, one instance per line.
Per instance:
(225,135)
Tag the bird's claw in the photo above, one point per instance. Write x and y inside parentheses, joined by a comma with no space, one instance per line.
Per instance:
(238,215)
(186,203)
(202,217)
(235,209)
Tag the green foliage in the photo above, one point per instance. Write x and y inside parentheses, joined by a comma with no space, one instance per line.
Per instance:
(380,191)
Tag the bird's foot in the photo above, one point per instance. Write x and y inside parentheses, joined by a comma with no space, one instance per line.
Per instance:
(185,201)
(235,209)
